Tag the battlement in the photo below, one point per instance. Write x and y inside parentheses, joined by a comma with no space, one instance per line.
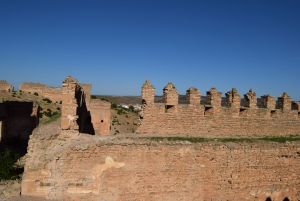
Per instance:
(217,115)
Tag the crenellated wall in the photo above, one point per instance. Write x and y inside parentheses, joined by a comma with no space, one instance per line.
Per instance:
(75,167)
(233,116)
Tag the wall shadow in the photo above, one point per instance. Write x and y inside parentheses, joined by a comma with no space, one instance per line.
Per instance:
(17,123)
(84,116)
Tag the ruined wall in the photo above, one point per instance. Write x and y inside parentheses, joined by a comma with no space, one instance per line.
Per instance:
(69,106)
(101,116)
(53,93)
(5,86)
(216,117)
(82,114)
(145,170)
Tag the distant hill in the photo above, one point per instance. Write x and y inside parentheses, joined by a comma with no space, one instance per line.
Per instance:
(132,100)
(129,100)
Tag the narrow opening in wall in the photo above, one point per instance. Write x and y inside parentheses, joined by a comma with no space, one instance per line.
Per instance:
(208,110)
(299,114)
(101,121)
(242,111)
(286,199)
(268,199)
(273,112)
(170,108)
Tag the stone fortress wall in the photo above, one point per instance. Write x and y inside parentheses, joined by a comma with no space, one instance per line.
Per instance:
(53,93)
(5,86)
(216,116)
(81,167)
(116,170)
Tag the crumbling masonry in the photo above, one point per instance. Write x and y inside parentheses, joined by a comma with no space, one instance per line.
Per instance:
(216,116)
(82,114)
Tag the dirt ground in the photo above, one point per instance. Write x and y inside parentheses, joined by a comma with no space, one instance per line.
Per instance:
(124,121)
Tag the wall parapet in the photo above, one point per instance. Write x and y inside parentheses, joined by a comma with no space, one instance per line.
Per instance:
(217,115)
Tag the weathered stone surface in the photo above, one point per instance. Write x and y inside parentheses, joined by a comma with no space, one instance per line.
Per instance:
(170,95)
(268,102)
(284,102)
(69,115)
(9,189)
(80,113)
(101,116)
(233,99)
(146,170)
(193,96)
(148,93)
(213,98)
(53,93)
(5,86)
(250,99)
(64,164)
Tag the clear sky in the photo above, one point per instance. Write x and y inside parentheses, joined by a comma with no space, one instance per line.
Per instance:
(116,45)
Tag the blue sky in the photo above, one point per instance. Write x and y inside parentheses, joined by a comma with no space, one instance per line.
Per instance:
(116,45)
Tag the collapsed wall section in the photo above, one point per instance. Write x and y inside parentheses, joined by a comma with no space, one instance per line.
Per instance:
(133,170)
(232,117)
